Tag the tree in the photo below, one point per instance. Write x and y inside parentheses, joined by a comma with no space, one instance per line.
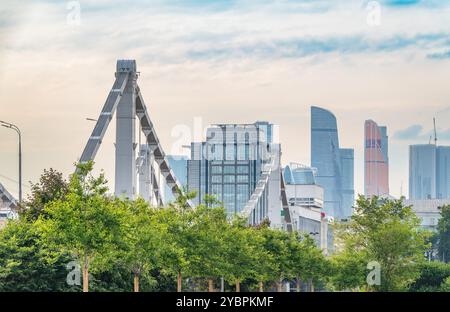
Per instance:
(51,186)
(205,246)
(27,263)
(443,235)
(348,270)
(243,252)
(179,218)
(432,275)
(275,242)
(146,243)
(387,232)
(307,260)
(445,286)
(85,223)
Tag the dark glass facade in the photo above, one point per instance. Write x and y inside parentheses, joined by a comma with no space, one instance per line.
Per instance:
(334,165)
(228,164)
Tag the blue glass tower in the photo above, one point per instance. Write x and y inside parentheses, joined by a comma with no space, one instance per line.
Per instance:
(334,165)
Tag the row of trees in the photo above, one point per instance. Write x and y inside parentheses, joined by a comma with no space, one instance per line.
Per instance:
(123,245)
(78,220)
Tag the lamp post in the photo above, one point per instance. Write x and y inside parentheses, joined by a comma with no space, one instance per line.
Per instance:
(15,128)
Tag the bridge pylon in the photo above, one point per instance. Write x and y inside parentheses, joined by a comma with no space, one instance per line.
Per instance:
(125,99)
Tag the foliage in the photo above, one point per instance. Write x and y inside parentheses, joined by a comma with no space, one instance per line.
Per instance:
(387,232)
(85,223)
(243,253)
(26,263)
(307,260)
(119,242)
(432,275)
(348,270)
(445,286)
(51,186)
(443,235)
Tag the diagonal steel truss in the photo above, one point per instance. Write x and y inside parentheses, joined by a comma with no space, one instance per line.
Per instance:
(126,76)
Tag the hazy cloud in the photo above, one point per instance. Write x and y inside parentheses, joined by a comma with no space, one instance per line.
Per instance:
(439,55)
(416,132)
(410,133)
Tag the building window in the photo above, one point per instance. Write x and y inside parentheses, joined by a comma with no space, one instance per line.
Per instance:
(228,179)
(242,169)
(242,179)
(229,169)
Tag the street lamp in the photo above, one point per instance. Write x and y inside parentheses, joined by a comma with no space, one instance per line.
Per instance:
(15,128)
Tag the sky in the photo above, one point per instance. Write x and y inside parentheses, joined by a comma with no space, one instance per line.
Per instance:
(225,61)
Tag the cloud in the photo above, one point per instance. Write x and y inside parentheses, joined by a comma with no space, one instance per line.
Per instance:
(401,2)
(308,46)
(439,55)
(415,3)
(416,132)
(177,31)
(410,133)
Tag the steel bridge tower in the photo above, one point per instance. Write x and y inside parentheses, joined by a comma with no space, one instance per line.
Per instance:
(126,100)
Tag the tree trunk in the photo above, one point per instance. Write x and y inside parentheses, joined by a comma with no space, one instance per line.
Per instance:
(86,274)
(299,284)
(210,285)
(311,285)
(279,285)
(179,281)
(261,286)
(238,286)
(136,282)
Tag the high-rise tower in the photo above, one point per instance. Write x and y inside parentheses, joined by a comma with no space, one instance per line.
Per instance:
(334,165)
(376,160)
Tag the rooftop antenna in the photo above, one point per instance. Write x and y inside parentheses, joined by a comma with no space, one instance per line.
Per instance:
(435,133)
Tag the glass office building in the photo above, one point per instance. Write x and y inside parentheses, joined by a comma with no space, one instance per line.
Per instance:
(376,161)
(334,165)
(422,171)
(228,165)
(347,181)
(443,172)
(429,171)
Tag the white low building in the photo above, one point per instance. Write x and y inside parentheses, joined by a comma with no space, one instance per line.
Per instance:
(428,210)
(305,199)
(8,206)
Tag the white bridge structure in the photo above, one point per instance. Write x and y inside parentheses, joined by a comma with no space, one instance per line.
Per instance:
(126,100)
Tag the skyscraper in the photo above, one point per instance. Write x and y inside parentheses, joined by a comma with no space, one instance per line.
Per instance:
(443,172)
(422,171)
(429,171)
(347,177)
(376,160)
(229,164)
(334,165)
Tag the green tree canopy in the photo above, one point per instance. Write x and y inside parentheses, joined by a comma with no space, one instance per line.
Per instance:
(387,232)
(85,223)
